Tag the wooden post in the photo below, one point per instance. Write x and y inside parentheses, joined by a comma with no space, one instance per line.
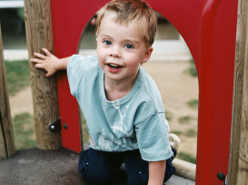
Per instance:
(238,162)
(44,90)
(7,146)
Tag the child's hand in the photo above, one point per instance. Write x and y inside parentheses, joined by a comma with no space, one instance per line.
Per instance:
(46,61)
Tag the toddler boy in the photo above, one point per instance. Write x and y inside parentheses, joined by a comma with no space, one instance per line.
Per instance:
(120,101)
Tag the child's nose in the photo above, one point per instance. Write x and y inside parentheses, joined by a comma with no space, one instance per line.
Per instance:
(115,51)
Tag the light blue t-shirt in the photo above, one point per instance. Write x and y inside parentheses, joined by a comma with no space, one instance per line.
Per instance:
(136,121)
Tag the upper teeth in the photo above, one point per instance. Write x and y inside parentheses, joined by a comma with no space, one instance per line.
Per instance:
(114,65)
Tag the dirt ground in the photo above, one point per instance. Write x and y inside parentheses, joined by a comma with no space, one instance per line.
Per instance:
(40,167)
(177,88)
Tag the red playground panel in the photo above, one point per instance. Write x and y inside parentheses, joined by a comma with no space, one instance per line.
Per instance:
(209,29)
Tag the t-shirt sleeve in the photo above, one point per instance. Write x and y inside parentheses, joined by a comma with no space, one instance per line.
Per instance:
(152,137)
(77,71)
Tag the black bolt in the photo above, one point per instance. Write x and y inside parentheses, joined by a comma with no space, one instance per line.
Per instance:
(52,127)
(55,126)
(221,176)
(65,126)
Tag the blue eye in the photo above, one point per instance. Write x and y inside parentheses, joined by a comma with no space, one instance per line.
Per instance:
(107,42)
(129,46)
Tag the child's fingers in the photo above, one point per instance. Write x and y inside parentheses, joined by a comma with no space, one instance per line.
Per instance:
(48,74)
(46,52)
(39,66)
(39,55)
(35,60)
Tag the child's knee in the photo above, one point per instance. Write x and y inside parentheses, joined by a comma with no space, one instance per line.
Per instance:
(92,170)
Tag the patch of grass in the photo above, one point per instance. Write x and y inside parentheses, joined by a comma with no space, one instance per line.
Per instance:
(192,69)
(193,103)
(186,157)
(23,131)
(177,132)
(169,115)
(17,74)
(191,132)
(185,119)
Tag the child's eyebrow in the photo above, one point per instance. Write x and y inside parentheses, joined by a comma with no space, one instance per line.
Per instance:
(132,41)
(104,35)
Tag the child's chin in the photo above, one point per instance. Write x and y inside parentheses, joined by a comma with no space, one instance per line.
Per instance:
(113,77)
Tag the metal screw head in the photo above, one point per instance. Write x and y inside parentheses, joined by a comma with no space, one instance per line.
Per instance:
(65,126)
(55,126)
(52,127)
(221,176)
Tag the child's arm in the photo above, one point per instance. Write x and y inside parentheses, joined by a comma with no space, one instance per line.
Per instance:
(156,172)
(49,62)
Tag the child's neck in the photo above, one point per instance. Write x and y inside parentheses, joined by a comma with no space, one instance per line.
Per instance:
(117,89)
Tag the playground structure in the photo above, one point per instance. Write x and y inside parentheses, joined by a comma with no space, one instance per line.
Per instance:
(209,29)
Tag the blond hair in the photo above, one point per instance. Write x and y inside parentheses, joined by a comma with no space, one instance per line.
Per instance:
(132,10)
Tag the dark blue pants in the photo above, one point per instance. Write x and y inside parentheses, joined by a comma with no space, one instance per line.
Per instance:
(104,168)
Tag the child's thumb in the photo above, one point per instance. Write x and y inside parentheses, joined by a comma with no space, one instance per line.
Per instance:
(48,74)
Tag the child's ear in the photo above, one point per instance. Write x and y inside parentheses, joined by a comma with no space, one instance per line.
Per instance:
(147,55)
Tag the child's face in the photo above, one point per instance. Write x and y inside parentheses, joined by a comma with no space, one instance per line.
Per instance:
(121,48)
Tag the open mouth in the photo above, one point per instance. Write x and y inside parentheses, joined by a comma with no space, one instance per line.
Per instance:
(115,66)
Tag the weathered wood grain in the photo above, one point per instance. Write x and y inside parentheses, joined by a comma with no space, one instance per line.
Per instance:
(238,162)
(7,145)
(44,90)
